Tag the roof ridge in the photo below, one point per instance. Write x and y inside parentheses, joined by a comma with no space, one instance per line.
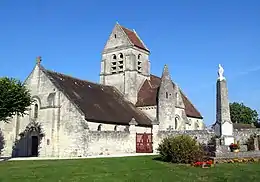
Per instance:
(126,28)
(140,39)
(134,40)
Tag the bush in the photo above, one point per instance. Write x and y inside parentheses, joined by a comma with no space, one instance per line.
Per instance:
(181,149)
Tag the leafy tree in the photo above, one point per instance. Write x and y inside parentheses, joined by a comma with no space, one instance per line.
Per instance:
(242,114)
(14,98)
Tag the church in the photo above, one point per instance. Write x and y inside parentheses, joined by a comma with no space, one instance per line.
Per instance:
(72,117)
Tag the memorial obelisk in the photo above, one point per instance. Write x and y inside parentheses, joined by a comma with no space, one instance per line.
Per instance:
(224,125)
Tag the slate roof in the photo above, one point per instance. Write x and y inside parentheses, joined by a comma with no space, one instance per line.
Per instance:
(147,96)
(133,37)
(99,103)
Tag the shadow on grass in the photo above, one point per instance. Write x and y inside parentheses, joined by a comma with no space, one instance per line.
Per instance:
(159,158)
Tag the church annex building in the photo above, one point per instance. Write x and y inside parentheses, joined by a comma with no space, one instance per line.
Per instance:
(123,113)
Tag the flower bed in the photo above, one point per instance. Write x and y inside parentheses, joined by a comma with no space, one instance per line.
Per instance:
(242,160)
(204,164)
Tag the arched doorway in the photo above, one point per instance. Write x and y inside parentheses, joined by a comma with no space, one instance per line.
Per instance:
(27,145)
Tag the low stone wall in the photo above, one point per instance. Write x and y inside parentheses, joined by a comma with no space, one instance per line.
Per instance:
(109,142)
(202,136)
(234,155)
(243,135)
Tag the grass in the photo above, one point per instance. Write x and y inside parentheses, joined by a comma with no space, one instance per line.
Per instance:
(128,169)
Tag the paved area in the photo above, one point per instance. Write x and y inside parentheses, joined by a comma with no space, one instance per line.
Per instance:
(55,158)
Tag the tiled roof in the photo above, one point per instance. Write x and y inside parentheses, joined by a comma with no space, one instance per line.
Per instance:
(133,37)
(99,103)
(147,96)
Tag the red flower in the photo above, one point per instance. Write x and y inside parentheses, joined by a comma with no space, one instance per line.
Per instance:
(200,163)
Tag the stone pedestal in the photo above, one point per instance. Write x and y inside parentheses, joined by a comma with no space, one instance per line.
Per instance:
(228,140)
(223,126)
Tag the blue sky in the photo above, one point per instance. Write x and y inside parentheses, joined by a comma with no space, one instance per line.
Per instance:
(192,37)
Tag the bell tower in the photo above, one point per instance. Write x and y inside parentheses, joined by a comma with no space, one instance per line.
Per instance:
(125,62)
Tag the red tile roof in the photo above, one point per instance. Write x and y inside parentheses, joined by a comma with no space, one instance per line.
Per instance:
(99,103)
(147,96)
(133,37)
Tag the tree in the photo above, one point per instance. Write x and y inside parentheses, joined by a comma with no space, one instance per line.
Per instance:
(14,98)
(242,114)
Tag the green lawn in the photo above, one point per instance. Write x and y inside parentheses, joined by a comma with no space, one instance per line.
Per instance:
(122,169)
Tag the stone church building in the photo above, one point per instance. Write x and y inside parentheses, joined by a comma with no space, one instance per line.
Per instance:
(72,117)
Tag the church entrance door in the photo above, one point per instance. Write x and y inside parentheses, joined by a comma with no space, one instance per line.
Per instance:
(34,147)
(144,143)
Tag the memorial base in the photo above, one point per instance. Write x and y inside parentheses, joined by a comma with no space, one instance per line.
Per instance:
(228,140)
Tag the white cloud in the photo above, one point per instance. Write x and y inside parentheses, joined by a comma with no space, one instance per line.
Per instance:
(257,68)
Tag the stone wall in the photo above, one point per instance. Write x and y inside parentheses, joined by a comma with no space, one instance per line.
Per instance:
(204,136)
(109,142)
(243,135)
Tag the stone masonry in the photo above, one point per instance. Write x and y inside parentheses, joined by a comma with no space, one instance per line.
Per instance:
(224,125)
(166,102)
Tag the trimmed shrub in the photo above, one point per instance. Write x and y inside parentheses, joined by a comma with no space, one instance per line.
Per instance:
(181,149)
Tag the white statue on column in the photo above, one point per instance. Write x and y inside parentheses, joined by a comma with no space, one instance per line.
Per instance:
(224,125)
(220,72)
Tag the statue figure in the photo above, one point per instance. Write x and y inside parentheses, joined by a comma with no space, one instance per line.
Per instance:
(220,72)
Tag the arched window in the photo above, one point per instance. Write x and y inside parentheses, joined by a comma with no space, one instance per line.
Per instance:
(115,36)
(166,95)
(176,123)
(50,99)
(115,128)
(99,127)
(114,57)
(139,56)
(36,108)
(121,56)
